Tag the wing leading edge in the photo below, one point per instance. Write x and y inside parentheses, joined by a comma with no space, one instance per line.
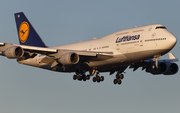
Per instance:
(56,53)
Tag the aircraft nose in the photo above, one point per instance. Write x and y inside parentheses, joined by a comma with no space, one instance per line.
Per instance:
(172,40)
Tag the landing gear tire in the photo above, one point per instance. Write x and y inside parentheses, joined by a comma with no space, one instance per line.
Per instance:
(75,77)
(94,79)
(121,76)
(79,78)
(117,76)
(84,78)
(102,78)
(115,81)
(98,79)
(119,81)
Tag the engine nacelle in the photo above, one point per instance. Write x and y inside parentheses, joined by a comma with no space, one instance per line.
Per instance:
(14,52)
(172,68)
(69,59)
(163,68)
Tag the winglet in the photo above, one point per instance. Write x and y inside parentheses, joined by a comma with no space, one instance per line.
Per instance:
(26,33)
(172,57)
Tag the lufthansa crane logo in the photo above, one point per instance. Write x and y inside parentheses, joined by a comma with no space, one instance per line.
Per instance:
(23,31)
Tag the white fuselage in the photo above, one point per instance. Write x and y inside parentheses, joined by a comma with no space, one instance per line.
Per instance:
(128,46)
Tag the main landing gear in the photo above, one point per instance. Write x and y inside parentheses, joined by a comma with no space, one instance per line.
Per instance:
(97,78)
(84,77)
(118,79)
(81,77)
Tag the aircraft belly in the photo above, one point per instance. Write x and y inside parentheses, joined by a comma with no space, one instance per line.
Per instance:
(129,59)
(143,55)
(114,60)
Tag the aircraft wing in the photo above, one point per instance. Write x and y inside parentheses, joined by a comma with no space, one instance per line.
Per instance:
(56,53)
(5,46)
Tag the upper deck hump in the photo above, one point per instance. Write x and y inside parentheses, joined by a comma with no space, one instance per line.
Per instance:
(105,39)
(133,30)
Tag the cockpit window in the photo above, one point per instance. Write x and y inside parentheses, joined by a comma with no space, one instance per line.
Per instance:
(160,27)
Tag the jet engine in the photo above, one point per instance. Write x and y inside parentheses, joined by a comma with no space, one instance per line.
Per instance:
(163,68)
(14,52)
(69,59)
(172,68)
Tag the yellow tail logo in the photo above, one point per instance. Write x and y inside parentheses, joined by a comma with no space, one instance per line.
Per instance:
(23,31)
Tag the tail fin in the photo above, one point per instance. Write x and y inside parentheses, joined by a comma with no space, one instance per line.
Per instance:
(26,33)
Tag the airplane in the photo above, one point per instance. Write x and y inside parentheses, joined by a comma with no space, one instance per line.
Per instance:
(134,48)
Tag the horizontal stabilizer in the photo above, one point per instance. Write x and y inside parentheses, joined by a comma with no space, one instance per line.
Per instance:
(172,58)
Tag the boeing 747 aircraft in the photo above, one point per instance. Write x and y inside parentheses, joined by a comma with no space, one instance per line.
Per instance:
(114,53)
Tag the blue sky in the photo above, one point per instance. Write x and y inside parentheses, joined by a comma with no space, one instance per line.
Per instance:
(25,89)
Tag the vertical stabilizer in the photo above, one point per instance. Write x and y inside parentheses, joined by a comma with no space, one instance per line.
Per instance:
(26,33)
